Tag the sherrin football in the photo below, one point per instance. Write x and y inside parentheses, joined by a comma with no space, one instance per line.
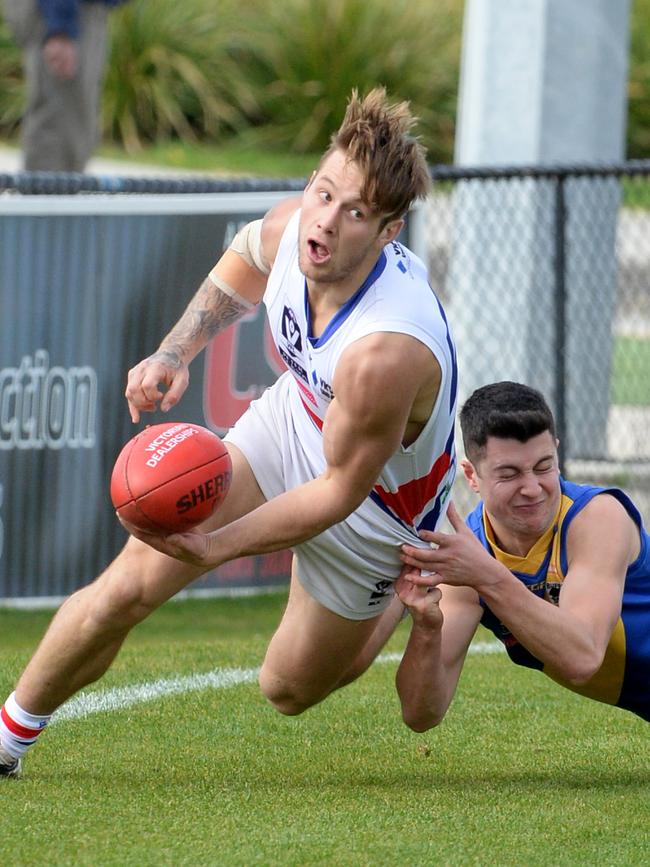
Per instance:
(170,477)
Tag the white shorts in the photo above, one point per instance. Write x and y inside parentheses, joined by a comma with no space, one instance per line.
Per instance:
(347,572)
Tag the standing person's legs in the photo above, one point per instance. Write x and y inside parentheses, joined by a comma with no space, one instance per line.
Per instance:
(93,52)
(60,126)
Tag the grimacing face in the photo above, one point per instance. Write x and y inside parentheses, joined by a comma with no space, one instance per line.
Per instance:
(519,484)
(340,239)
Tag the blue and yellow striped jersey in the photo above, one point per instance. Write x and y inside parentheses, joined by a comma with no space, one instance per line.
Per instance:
(624,677)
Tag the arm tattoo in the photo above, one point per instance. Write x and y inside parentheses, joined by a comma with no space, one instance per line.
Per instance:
(170,356)
(208,313)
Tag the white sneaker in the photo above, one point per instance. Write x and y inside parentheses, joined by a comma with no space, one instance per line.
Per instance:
(9,766)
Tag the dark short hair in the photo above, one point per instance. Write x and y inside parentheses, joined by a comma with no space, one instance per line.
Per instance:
(508,410)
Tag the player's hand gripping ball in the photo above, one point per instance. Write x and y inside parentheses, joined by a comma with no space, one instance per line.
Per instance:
(170,477)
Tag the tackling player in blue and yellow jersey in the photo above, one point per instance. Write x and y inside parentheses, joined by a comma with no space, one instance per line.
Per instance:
(560,572)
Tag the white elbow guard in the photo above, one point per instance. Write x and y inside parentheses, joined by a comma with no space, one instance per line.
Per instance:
(248,243)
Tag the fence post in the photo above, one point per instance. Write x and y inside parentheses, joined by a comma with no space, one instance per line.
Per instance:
(559,264)
(519,61)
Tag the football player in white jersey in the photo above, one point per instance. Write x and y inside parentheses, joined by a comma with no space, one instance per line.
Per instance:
(346,457)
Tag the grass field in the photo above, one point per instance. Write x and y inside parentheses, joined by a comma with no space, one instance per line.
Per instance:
(236,158)
(520,773)
(631,357)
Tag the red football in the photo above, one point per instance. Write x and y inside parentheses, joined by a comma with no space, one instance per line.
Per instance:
(170,477)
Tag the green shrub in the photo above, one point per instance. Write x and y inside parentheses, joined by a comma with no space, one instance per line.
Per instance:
(278,75)
(303,58)
(11,83)
(172,72)
(638,131)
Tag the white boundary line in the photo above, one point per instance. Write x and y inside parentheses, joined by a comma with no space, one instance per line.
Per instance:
(110,700)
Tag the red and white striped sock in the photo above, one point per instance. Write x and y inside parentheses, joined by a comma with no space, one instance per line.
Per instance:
(19,729)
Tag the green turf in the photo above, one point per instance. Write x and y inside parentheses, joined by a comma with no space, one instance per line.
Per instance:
(631,363)
(233,158)
(520,773)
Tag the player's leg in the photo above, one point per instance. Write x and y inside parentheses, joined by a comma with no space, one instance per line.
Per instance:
(310,652)
(90,627)
(385,625)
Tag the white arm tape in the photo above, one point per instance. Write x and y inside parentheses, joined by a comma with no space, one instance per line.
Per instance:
(248,243)
(227,289)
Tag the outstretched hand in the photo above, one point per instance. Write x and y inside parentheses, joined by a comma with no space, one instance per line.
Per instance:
(456,558)
(192,547)
(143,385)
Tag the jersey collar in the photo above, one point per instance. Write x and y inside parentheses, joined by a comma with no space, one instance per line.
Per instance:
(341,315)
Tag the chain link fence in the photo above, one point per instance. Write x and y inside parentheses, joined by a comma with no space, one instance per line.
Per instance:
(545,274)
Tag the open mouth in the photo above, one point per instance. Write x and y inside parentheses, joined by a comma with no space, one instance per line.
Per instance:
(318,253)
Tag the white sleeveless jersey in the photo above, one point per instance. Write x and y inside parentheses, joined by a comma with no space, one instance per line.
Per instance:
(413,488)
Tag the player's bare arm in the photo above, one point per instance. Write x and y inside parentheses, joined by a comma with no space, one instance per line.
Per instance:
(210,311)
(377,382)
(570,638)
(444,620)
(234,286)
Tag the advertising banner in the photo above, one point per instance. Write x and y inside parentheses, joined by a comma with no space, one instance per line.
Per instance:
(88,287)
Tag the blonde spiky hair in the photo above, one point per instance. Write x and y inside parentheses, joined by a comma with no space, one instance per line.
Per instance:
(375,135)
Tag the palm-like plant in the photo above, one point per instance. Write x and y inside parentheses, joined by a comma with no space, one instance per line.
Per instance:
(11,82)
(173,72)
(638,136)
(303,57)
(278,74)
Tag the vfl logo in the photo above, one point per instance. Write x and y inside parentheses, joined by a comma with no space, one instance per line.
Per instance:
(290,330)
